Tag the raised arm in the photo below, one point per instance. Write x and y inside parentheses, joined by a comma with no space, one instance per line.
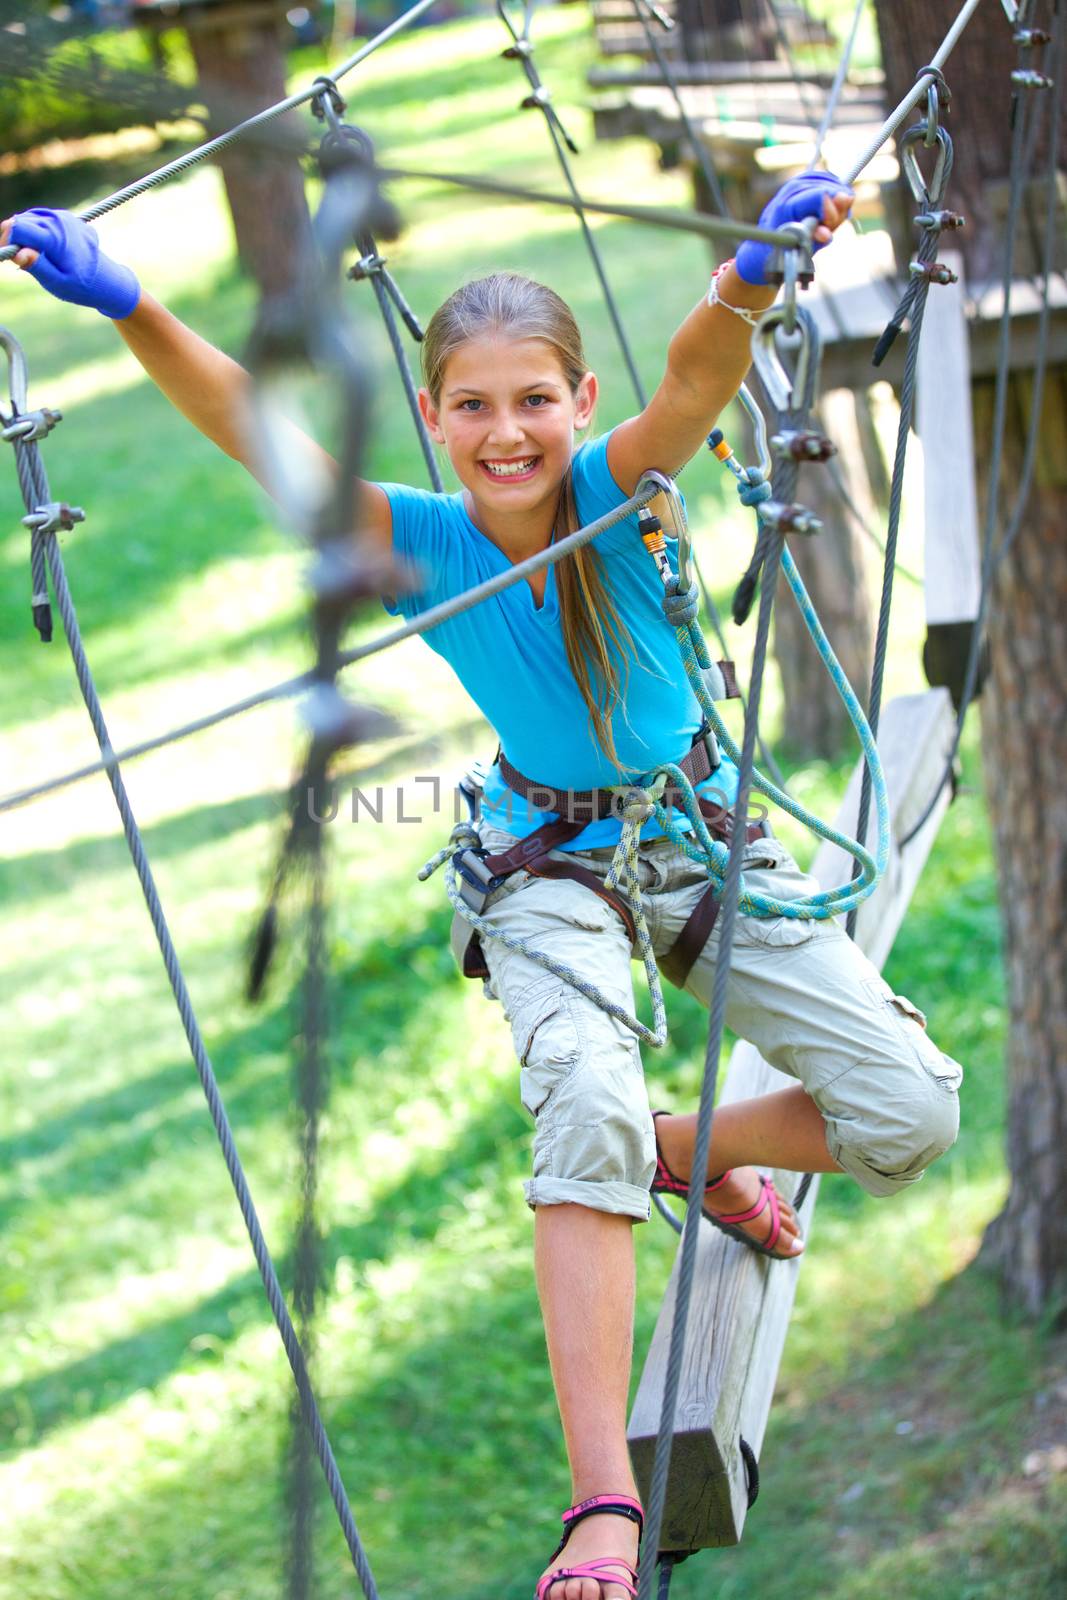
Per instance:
(205,385)
(708,357)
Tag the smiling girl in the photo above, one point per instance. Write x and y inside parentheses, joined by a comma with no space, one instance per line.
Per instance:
(578,672)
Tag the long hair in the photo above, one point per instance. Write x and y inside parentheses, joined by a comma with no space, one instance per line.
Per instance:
(598,644)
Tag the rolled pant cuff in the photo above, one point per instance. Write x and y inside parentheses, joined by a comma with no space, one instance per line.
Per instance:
(620,1199)
(879,1184)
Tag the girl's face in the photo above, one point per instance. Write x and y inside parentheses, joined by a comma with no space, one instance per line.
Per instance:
(507,416)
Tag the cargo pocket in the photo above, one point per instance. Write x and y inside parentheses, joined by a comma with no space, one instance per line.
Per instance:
(547,1042)
(910,1023)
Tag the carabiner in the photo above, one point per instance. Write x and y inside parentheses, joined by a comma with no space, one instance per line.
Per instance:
(759,430)
(659,481)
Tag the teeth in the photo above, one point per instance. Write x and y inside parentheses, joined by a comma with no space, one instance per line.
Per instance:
(509,469)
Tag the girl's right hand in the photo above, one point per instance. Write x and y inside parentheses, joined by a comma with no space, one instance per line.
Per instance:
(63,253)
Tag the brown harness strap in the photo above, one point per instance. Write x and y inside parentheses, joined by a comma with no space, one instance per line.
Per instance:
(680,959)
(532,854)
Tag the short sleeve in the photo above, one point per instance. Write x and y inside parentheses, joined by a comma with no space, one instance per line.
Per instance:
(420,544)
(597,494)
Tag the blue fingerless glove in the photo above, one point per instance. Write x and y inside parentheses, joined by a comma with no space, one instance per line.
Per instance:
(71,264)
(801,197)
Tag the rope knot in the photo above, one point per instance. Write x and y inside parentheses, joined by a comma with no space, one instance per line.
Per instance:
(680,606)
(635,805)
(755,491)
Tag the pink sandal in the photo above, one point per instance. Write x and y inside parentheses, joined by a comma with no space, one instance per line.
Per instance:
(607,1569)
(665,1182)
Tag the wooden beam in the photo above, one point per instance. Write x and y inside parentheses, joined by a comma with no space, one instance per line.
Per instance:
(741,1303)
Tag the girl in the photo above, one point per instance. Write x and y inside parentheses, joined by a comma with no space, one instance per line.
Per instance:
(579,673)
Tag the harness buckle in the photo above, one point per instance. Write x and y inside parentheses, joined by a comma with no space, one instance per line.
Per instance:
(478,881)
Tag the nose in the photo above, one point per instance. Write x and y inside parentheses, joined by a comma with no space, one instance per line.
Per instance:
(507,429)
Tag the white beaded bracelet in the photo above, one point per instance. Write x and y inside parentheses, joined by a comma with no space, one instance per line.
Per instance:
(746,313)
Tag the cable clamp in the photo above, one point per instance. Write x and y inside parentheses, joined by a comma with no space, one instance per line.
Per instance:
(1031,80)
(782,518)
(933,272)
(1029,38)
(537,99)
(31,425)
(804,445)
(941,221)
(521,50)
(53,516)
(368,266)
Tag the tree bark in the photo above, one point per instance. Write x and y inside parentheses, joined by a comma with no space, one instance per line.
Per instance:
(241,68)
(1025,700)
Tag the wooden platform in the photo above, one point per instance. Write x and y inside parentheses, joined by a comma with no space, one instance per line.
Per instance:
(741,1303)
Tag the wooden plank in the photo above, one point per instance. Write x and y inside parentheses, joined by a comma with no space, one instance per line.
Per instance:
(741,1304)
(943,416)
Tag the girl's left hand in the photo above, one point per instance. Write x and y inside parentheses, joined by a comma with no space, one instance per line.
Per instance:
(811,194)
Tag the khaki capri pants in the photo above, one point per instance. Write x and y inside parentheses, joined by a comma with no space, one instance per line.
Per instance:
(800,991)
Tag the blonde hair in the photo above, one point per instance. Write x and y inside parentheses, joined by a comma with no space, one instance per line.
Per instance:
(520,308)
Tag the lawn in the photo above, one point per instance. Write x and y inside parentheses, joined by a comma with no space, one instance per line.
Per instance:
(143,1392)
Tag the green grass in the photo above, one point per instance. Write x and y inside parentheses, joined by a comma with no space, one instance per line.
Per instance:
(143,1395)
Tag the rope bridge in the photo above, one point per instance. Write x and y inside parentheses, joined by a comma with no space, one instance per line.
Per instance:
(314,325)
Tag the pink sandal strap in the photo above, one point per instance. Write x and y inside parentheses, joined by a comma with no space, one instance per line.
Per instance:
(768,1197)
(598,1571)
(665,1181)
(623,1505)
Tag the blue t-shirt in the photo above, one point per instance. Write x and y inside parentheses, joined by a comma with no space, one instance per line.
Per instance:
(509,653)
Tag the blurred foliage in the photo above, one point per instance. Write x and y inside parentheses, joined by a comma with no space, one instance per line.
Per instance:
(59,80)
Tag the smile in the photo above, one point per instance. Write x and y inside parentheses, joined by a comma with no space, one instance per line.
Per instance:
(511,470)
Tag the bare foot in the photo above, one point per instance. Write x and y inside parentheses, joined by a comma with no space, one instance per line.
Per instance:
(596,1539)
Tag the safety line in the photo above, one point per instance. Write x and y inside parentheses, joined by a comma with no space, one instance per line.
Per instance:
(838,85)
(426,620)
(204,1068)
(523,50)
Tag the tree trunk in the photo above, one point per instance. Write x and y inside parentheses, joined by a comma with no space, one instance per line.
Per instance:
(241,68)
(1025,700)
